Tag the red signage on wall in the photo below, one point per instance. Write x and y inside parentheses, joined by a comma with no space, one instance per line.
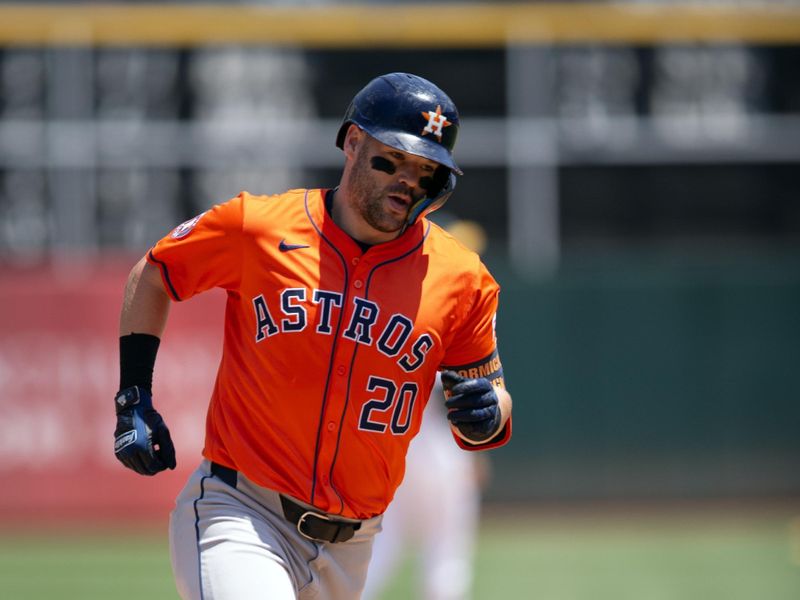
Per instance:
(59,371)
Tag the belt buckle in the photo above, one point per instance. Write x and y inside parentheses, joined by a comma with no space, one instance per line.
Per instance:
(302,519)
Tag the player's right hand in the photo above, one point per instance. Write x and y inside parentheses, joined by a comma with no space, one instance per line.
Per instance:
(472,406)
(141,440)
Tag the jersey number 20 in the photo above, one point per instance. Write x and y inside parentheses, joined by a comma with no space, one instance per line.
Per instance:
(400,402)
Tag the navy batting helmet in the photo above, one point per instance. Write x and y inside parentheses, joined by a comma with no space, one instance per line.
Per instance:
(411,114)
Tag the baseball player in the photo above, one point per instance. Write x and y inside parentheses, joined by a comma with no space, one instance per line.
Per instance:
(342,305)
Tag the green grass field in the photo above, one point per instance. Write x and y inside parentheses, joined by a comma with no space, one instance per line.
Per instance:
(702,557)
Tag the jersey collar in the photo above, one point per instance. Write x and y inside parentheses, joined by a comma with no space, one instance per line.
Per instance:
(323,223)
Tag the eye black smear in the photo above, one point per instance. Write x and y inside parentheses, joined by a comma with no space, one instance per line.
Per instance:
(381,164)
(427,183)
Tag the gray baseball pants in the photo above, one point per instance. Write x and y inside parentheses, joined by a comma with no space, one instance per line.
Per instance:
(231,543)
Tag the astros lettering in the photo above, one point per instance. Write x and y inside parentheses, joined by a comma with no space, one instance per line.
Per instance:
(393,337)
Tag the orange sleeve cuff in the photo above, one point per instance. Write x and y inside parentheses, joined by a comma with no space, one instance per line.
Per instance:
(162,268)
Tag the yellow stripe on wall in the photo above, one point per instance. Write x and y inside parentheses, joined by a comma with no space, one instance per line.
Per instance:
(392,26)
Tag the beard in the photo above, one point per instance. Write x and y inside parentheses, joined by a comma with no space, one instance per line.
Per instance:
(369,199)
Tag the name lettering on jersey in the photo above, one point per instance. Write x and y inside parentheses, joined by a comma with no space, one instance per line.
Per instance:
(395,335)
(296,313)
(391,339)
(326,300)
(361,321)
(265,324)
(418,352)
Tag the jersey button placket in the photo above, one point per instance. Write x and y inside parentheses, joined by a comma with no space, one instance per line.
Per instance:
(337,396)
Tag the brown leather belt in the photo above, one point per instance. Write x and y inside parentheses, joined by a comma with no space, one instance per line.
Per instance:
(311,524)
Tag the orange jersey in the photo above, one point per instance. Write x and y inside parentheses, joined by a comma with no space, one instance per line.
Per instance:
(330,352)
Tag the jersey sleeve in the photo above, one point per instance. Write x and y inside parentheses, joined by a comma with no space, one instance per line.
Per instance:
(475,340)
(473,352)
(203,253)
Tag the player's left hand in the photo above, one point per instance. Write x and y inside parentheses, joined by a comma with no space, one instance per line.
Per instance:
(473,406)
(141,440)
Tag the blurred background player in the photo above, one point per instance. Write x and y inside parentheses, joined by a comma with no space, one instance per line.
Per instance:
(438,474)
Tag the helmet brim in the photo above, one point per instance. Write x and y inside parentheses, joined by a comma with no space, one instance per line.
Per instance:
(405,142)
(419,146)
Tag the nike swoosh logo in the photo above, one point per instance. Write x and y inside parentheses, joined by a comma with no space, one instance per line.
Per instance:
(284,247)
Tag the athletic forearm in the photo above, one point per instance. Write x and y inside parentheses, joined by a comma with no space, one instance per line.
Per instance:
(142,440)
(145,306)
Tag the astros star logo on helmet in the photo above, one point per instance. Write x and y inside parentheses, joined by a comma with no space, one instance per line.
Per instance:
(436,122)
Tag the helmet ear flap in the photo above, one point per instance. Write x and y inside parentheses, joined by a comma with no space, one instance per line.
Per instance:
(433,202)
(341,134)
(436,182)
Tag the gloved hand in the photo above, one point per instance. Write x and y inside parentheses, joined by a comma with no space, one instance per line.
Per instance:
(473,406)
(141,440)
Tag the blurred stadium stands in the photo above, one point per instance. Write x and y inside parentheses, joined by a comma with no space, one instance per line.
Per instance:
(638,184)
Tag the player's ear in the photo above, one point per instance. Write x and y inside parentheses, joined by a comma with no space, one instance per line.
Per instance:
(355,136)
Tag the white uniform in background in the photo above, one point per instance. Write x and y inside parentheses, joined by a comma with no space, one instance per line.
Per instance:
(433,517)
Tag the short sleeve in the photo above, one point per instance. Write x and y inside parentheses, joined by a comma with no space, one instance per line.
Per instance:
(473,352)
(203,253)
(475,339)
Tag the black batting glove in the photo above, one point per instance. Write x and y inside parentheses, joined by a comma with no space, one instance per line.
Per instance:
(141,440)
(473,406)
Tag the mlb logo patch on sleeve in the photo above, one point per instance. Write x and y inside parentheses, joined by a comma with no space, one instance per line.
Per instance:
(186,227)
